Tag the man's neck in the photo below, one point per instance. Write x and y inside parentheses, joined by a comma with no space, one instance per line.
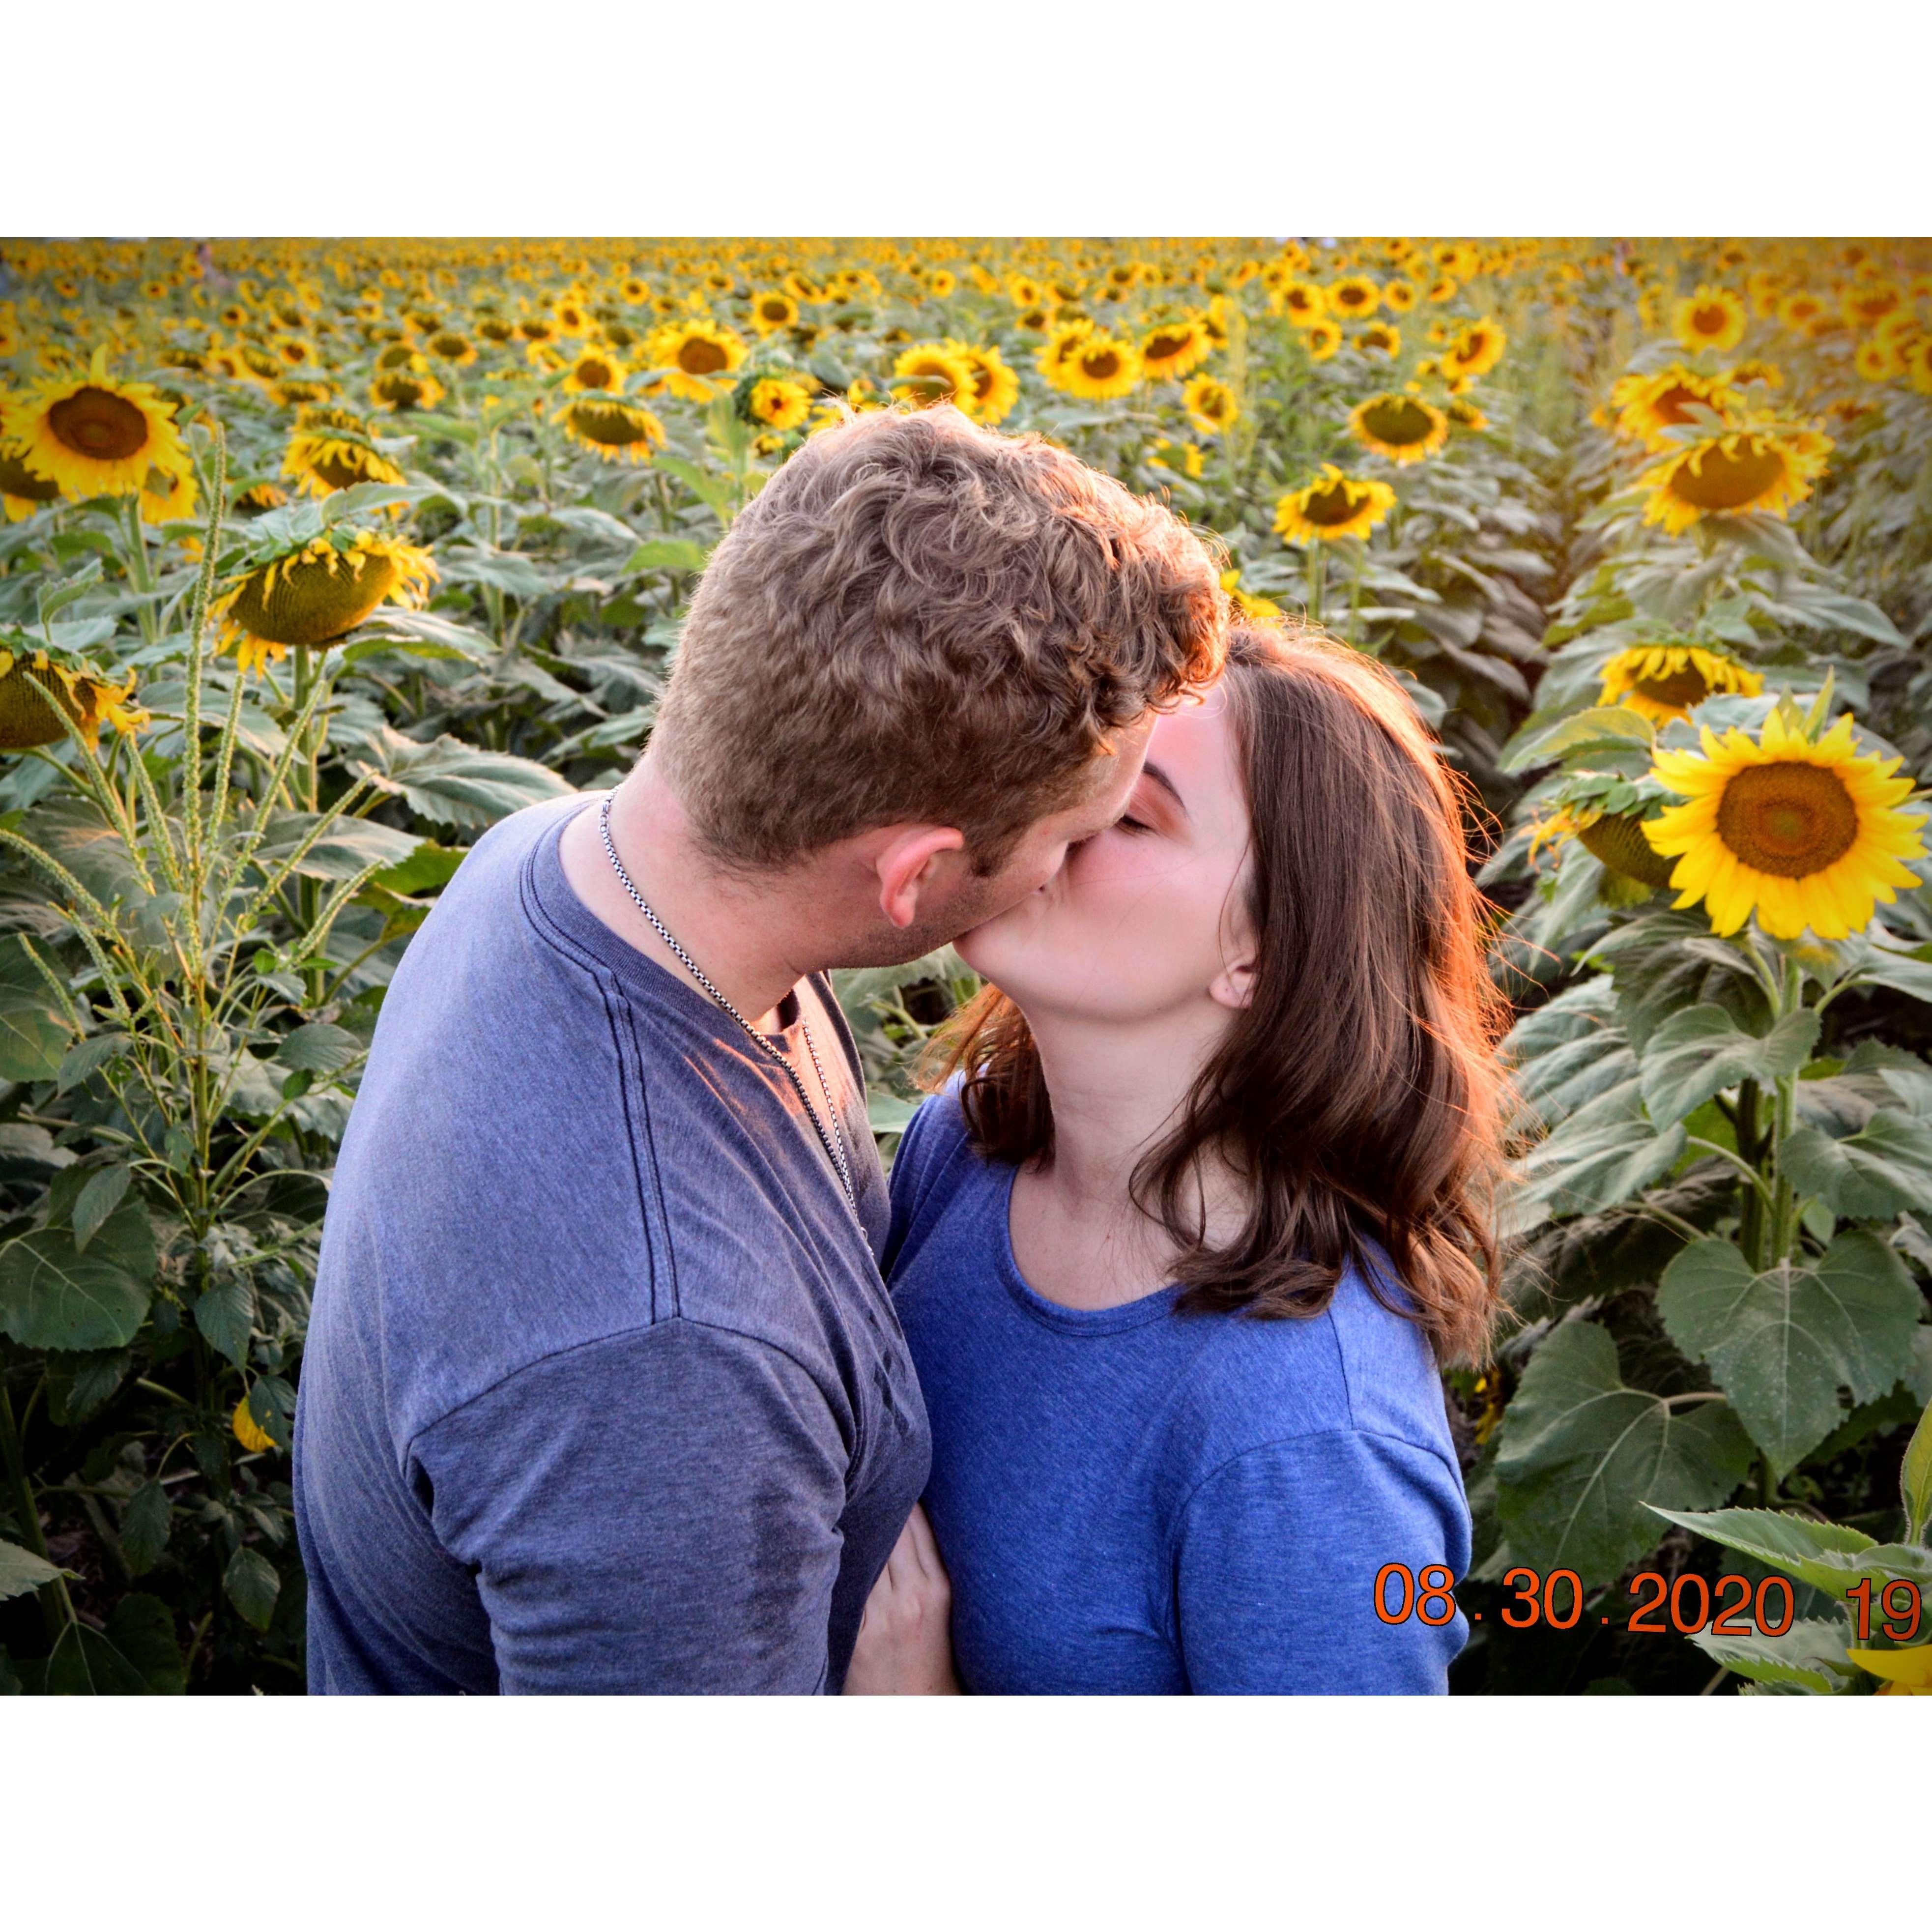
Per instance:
(740,932)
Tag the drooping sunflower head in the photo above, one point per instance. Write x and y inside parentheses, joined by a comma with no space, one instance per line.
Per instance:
(594,369)
(1710,318)
(619,432)
(1403,428)
(1211,405)
(1172,349)
(331,449)
(40,697)
(1667,681)
(315,592)
(1649,406)
(1768,468)
(1475,350)
(1333,505)
(92,436)
(1353,298)
(1801,833)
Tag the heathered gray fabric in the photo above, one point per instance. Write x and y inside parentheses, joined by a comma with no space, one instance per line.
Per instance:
(603,1391)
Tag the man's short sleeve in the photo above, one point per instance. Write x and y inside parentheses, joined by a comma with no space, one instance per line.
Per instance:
(657,1512)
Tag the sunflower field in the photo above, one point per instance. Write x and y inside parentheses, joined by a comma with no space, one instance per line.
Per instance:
(320,557)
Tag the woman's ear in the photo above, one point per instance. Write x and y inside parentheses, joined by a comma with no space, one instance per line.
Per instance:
(1234,985)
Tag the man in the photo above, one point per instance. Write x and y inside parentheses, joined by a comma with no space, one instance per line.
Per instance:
(603,1391)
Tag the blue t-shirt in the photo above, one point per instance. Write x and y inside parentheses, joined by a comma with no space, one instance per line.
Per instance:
(603,1390)
(1133,1500)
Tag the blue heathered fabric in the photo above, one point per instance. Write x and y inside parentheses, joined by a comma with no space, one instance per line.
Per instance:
(1132,1500)
(603,1391)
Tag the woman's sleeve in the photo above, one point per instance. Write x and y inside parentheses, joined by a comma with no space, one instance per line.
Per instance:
(1276,1568)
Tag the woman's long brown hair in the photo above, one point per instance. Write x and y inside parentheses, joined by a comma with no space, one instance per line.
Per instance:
(1357,1094)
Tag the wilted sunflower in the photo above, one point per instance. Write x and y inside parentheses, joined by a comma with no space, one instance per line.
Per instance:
(1302,302)
(1380,338)
(331,450)
(406,389)
(1474,351)
(1770,468)
(1801,834)
(1666,681)
(933,372)
(996,388)
(1174,349)
(1101,368)
(1321,339)
(315,593)
(772,309)
(778,402)
(1210,405)
(1712,318)
(1647,406)
(1353,298)
(594,369)
(95,437)
(618,432)
(1403,428)
(1332,506)
(691,353)
(32,685)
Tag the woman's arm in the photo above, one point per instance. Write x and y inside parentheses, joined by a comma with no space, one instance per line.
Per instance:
(905,1637)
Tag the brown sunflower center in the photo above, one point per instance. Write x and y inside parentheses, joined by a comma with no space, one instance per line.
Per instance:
(1333,503)
(1710,319)
(774,311)
(1726,479)
(1102,365)
(1398,421)
(1790,819)
(698,356)
(99,424)
(1686,688)
(1164,345)
(1349,297)
(611,424)
(1673,406)
(309,605)
(594,372)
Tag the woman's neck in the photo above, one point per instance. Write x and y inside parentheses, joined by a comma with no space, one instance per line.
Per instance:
(1115,1091)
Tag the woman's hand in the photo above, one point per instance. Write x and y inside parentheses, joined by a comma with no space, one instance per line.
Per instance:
(905,1638)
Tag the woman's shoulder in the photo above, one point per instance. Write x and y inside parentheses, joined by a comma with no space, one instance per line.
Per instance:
(1361,1366)
(935,1156)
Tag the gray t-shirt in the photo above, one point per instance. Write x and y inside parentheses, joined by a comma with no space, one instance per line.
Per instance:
(603,1391)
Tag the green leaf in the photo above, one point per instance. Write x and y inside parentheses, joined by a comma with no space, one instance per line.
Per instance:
(1884,1167)
(1780,1344)
(1567,1053)
(429,866)
(1603,1154)
(666,554)
(1702,1051)
(34,1039)
(454,783)
(889,1115)
(1809,1657)
(145,1518)
(1579,1453)
(1901,968)
(21,1571)
(1602,727)
(82,1061)
(1915,1479)
(318,1048)
(142,1630)
(78,1385)
(97,1200)
(252,1585)
(346,848)
(85,1664)
(225,1313)
(1831,1557)
(53,1296)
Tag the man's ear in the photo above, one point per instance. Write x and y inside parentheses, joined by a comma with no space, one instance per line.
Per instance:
(905,867)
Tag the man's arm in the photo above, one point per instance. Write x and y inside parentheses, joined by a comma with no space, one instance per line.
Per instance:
(657,1512)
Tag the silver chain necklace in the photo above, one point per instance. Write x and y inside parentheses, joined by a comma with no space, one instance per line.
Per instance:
(833,1142)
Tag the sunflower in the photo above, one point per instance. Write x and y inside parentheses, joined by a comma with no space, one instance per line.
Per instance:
(1767,374)
(1257,610)
(1211,406)
(1801,834)
(1474,351)
(169,497)
(1648,407)
(771,310)
(314,594)
(1321,339)
(1917,361)
(451,346)
(594,369)
(635,290)
(1174,349)
(618,432)
(1902,1673)
(294,352)
(95,437)
(1164,453)
(1877,359)
(1769,468)
(406,389)
(22,490)
(693,351)
(1399,297)
(535,328)
(331,450)
(1866,303)
(259,496)
(248,1431)
(1353,298)
(1101,368)
(297,390)
(572,317)
(1711,318)
(933,372)
(32,685)
(996,388)
(1380,338)
(1059,349)
(1442,289)
(1800,309)
(1616,838)
(778,402)
(1302,302)
(1465,416)
(1403,428)
(1666,681)
(1333,505)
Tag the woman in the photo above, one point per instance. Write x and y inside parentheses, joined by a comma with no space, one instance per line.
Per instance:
(1180,1246)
